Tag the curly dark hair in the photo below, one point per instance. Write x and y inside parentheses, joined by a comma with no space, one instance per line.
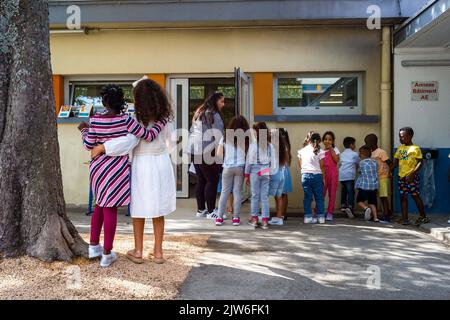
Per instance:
(113,98)
(151,102)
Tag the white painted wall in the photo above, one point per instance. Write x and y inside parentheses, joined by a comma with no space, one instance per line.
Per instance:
(431,119)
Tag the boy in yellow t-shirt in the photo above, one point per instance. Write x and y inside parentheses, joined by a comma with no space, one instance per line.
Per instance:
(409,160)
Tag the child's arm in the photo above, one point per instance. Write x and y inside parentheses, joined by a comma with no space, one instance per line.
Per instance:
(322,168)
(419,166)
(88,135)
(334,155)
(139,131)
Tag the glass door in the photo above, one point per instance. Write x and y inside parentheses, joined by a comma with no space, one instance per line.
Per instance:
(179,91)
(242,88)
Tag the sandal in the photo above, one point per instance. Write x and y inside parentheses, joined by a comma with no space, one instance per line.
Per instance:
(130,255)
(156,260)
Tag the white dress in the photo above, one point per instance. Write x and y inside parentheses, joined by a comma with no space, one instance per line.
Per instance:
(153,189)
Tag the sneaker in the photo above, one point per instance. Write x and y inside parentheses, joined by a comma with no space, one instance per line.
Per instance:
(95,251)
(367,213)
(225,217)
(422,220)
(253,222)
(349,213)
(376,220)
(405,222)
(321,220)
(344,209)
(265,223)
(276,221)
(309,220)
(219,222)
(385,219)
(212,215)
(201,213)
(329,217)
(236,221)
(108,259)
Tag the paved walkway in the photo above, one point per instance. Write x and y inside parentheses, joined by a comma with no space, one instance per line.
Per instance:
(349,259)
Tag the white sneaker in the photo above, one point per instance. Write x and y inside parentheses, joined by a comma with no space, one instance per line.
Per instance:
(213,215)
(95,251)
(367,213)
(108,259)
(310,220)
(201,214)
(322,220)
(349,213)
(276,221)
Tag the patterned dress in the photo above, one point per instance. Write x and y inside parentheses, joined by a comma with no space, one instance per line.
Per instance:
(110,176)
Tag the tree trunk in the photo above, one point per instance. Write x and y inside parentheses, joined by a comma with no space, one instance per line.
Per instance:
(33,219)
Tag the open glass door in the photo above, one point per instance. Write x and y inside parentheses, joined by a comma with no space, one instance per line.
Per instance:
(179,91)
(242,87)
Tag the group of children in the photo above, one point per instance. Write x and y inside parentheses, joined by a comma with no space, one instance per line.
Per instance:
(368,172)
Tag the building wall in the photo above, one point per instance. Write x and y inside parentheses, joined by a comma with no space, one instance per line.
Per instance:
(262,52)
(430,120)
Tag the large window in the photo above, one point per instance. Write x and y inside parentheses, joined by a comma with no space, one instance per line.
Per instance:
(318,94)
(85,93)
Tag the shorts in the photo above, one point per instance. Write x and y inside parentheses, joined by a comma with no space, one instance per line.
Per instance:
(383,192)
(276,188)
(367,195)
(412,188)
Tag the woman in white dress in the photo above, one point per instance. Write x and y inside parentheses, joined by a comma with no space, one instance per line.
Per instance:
(153,189)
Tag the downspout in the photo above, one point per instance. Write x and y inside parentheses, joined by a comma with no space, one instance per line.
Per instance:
(386,90)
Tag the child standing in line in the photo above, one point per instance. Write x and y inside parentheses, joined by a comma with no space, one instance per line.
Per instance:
(287,187)
(331,171)
(367,184)
(409,160)
(384,173)
(347,174)
(109,176)
(276,185)
(260,164)
(233,146)
(311,162)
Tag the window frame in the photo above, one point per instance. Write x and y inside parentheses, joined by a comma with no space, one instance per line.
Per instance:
(329,110)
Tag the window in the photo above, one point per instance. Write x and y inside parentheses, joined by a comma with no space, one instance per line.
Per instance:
(318,94)
(83,93)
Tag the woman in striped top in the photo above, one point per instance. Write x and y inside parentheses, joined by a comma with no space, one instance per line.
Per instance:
(109,176)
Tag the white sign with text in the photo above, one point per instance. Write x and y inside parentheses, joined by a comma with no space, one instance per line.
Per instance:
(424,90)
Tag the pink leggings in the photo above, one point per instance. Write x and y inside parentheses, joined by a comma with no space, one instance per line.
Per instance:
(107,216)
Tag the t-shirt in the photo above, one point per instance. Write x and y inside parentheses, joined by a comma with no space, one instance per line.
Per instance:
(383,168)
(349,159)
(310,160)
(368,175)
(234,156)
(407,156)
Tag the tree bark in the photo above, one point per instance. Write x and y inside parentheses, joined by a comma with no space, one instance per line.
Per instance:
(33,217)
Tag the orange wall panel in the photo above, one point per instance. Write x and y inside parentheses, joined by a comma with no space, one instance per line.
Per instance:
(58,91)
(160,78)
(262,93)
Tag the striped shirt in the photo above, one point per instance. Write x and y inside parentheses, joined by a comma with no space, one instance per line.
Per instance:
(109,176)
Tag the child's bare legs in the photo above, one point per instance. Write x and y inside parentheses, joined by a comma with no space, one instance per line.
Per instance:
(374,211)
(385,203)
(404,205)
(419,204)
(138,229)
(158,230)
(362,205)
(284,204)
(230,203)
(279,206)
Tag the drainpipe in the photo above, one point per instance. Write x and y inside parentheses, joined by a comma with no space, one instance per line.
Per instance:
(386,90)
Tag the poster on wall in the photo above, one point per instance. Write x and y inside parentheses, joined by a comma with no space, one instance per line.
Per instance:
(85,111)
(424,90)
(64,112)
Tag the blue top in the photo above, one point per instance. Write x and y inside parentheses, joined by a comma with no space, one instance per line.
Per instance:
(368,175)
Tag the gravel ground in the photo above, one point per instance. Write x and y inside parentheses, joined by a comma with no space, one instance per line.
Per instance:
(28,278)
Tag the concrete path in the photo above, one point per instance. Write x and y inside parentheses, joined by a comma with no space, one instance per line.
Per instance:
(349,259)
